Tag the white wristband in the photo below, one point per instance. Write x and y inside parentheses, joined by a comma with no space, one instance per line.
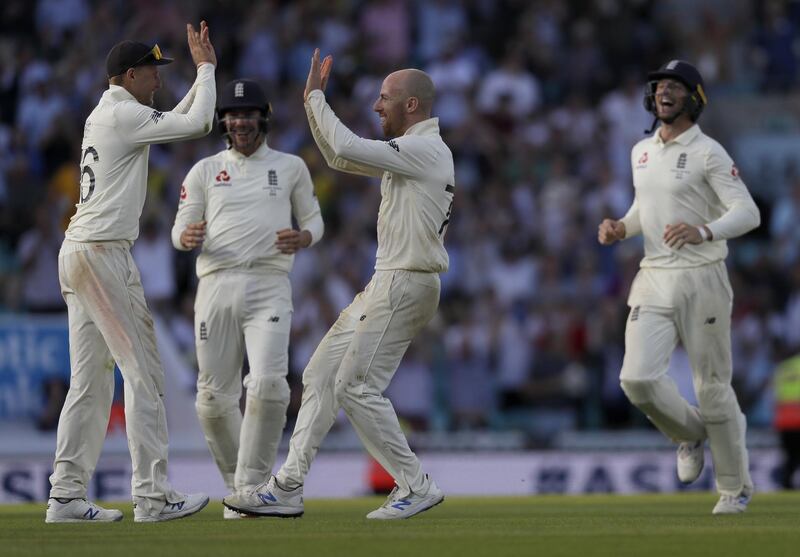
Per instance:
(703,234)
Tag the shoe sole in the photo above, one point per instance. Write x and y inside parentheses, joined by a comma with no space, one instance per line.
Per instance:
(175,516)
(77,520)
(439,502)
(273,513)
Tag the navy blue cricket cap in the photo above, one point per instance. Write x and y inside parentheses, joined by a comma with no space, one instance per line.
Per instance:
(129,54)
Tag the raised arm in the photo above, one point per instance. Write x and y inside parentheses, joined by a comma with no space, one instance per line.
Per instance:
(195,113)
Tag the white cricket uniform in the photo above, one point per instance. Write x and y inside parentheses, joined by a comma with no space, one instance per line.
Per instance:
(108,318)
(244,299)
(356,360)
(684,295)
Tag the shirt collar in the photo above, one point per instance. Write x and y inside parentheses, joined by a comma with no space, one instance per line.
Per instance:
(426,127)
(118,93)
(683,139)
(261,153)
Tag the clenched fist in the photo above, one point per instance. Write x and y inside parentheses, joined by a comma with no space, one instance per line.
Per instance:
(610,231)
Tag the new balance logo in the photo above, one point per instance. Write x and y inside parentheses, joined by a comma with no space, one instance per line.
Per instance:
(91,514)
(635,313)
(682,161)
(274,319)
(203,331)
(177,506)
(267,498)
(711,320)
(156,116)
(393,144)
(362,317)
(272,178)
(401,504)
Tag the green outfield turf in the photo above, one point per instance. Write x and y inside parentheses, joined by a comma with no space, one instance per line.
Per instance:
(647,526)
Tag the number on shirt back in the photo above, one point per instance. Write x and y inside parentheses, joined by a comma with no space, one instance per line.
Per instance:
(86,170)
(449,189)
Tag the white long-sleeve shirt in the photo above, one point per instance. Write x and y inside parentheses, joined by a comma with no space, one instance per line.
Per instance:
(114,154)
(689,179)
(245,201)
(417,186)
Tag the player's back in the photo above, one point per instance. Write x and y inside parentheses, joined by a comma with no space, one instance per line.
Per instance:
(113,176)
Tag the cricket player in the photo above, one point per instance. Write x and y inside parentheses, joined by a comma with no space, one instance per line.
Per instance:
(108,318)
(689,199)
(238,205)
(357,358)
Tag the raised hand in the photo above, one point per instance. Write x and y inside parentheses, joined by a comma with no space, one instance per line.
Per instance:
(200,45)
(318,73)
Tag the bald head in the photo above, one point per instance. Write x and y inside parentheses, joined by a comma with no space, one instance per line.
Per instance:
(415,83)
(406,99)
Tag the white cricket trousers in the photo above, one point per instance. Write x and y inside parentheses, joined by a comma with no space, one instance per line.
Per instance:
(238,310)
(109,321)
(351,368)
(693,306)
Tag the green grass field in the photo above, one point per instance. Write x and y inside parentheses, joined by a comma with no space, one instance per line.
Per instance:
(647,526)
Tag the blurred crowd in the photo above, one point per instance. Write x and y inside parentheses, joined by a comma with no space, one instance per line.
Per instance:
(540,102)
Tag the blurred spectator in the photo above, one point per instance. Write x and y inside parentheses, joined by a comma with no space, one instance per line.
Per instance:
(38,255)
(540,102)
(787,417)
(155,256)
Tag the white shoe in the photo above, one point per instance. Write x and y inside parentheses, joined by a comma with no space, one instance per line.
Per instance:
(78,510)
(190,504)
(229,514)
(732,504)
(406,505)
(691,457)
(267,499)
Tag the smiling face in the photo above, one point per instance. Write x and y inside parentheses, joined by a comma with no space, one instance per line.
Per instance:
(671,97)
(391,107)
(244,130)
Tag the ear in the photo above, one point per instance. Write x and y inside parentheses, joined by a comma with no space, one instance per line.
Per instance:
(412,104)
(130,73)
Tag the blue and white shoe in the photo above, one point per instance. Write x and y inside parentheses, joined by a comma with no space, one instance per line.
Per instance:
(267,499)
(78,510)
(732,504)
(405,505)
(189,505)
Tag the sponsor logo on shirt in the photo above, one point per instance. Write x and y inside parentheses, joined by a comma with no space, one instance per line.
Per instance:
(735,172)
(184,192)
(222,179)
(642,163)
(156,116)
(203,331)
(393,144)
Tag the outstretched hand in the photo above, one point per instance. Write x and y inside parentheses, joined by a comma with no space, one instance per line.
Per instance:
(200,45)
(318,74)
